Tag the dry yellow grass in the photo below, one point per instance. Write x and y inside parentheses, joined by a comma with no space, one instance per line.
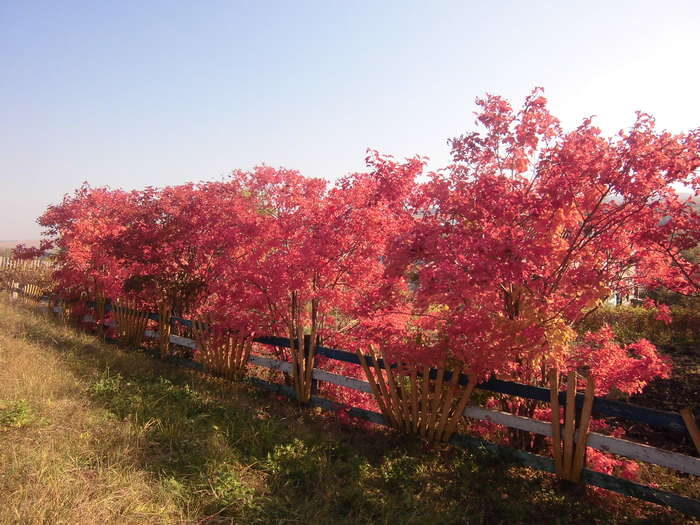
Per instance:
(63,460)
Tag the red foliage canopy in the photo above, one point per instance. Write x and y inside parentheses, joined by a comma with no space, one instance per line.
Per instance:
(492,262)
(531,227)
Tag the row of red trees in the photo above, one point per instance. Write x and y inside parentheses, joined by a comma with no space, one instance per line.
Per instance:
(490,262)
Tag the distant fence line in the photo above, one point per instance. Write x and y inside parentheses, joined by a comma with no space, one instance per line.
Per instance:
(28,264)
(684,423)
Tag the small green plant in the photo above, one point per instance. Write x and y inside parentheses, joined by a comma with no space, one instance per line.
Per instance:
(16,415)
(294,464)
(398,472)
(232,491)
(175,392)
(108,384)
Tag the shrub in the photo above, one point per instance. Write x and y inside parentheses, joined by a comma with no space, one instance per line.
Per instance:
(631,323)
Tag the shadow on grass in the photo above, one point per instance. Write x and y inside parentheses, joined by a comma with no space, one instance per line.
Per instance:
(233,454)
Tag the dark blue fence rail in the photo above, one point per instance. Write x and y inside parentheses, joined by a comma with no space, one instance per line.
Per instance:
(601,406)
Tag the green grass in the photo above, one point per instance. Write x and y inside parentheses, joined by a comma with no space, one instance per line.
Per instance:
(91,433)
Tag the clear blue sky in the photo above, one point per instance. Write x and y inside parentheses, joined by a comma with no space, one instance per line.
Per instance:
(131,94)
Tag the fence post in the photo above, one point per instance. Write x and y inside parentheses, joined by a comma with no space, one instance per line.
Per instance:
(164,328)
(307,349)
(570,458)
(692,425)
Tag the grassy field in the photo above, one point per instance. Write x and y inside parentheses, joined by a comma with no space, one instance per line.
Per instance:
(90,433)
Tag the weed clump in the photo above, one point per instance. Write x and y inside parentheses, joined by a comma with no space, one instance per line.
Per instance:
(16,415)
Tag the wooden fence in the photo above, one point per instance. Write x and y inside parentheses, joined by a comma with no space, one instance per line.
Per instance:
(29,264)
(682,424)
